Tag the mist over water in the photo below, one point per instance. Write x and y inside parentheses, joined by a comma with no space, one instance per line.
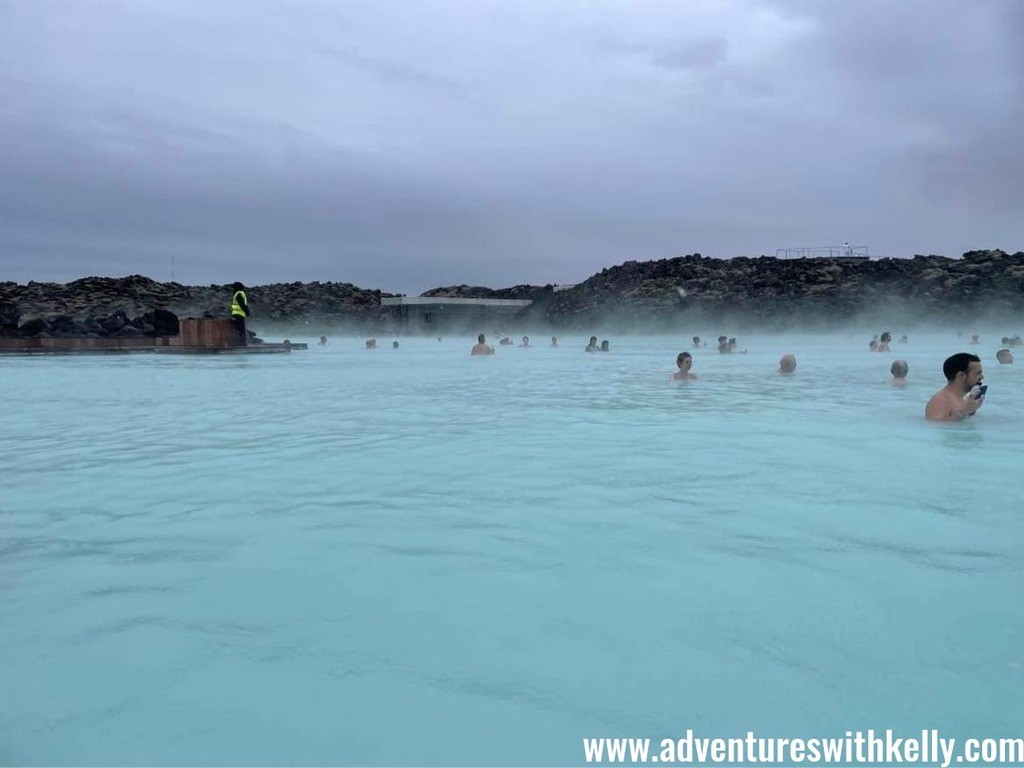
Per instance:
(412,556)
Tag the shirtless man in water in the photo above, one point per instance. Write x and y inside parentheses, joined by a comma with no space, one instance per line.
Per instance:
(962,372)
(481,347)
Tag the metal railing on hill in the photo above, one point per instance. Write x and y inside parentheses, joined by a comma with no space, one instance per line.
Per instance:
(824,252)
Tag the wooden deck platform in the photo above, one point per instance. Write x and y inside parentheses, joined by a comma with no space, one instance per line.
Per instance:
(254,349)
(199,337)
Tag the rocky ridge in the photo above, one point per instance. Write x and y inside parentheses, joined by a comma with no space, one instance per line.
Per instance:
(760,292)
(778,292)
(105,306)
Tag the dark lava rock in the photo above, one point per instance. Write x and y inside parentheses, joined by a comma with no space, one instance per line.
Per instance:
(163,322)
(9,316)
(35,327)
(114,322)
(664,294)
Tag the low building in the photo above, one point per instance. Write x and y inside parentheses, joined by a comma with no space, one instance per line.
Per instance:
(429,314)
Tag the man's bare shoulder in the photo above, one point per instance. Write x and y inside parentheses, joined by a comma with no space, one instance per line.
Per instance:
(941,407)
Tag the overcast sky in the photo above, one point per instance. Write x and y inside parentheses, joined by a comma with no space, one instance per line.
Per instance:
(411,144)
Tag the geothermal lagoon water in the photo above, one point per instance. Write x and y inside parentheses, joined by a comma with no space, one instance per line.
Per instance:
(388,557)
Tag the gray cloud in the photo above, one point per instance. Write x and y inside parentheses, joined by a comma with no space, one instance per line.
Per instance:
(699,54)
(410,146)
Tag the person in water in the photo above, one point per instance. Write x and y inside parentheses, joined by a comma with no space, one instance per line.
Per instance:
(554,341)
(727,346)
(1004,357)
(394,344)
(592,346)
(883,342)
(481,347)
(684,361)
(323,341)
(526,341)
(899,370)
(696,342)
(787,364)
(961,397)
(605,346)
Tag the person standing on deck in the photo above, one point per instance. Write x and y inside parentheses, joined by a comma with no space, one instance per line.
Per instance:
(239,311)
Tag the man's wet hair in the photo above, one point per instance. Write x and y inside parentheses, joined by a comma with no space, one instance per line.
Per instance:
(480,338)
(899,369)
(957,363)
(682,356)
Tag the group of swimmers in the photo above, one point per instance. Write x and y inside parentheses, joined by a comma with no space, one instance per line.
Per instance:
(726,346)
(881,343)
(960,399)
(483,348)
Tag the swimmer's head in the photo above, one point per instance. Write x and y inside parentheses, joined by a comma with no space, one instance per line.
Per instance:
(1004,356)
(787,363)
(963,362)
(684,361)
(899,369)
(481,339)
(394,345)
(604,345)
(593,340)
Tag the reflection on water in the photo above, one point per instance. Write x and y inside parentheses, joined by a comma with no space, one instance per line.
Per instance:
(377,557)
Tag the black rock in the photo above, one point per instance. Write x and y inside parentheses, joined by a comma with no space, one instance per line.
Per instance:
(65,325)
(9,315)
(164,322)
(34,327)
(114,323)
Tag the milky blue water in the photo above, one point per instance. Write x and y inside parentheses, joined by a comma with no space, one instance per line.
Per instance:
(387,557)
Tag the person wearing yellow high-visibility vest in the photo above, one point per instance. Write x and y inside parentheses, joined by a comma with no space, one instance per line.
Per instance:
(239,311)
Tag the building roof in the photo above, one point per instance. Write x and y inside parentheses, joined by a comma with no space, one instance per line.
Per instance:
(420,301)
